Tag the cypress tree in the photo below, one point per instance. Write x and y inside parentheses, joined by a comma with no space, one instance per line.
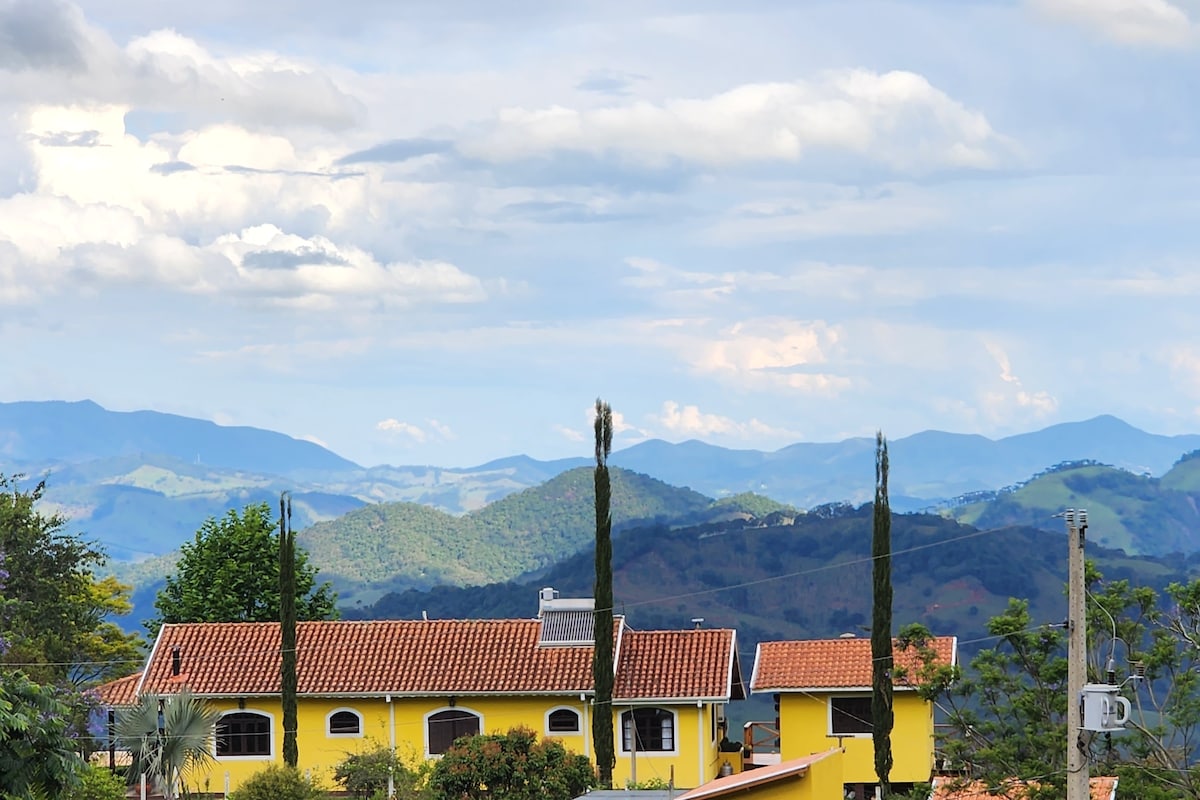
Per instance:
(287,627)
(602,653)
(881,621)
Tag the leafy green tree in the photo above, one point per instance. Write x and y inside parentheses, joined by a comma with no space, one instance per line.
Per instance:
(56,613)
(230,573)
(37,752)
(167,741)
(881,620)
(515,766)
(602,651)
(278,782)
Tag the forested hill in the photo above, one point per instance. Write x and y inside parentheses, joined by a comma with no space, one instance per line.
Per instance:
(811,578)
(1135,512)
(401,545)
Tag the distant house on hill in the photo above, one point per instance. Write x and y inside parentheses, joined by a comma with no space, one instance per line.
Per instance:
(822,690)
(420,684)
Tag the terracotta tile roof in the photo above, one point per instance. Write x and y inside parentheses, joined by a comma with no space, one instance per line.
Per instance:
(433,657)
(121,692)
(830,663)
(694,664)
(1099,788)
(733,784)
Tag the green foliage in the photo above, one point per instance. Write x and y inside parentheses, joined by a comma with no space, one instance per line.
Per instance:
(230,573)
(602,650)
(756,505)
(366,774)
(55,611)
(97,783)
(37,753)
(515,766)
(287,626)
(881,620)
(278,782)
(165,744)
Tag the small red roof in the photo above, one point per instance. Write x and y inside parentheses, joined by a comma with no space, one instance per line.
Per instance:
(696,664)
(1099,788)
(437,657)
(121,692)
(732,784)
(843,663)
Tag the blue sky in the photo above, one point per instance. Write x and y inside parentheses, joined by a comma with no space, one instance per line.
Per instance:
(434,232)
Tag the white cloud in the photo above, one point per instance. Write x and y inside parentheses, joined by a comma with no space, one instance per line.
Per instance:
(568,433)
(403,429)
(1156,23)
(896,118)
(1000,404)
(689,420)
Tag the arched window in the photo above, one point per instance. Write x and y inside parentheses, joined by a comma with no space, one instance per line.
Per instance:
(562,720)
(244,733)
(654,729)
(344,722)
(444,727)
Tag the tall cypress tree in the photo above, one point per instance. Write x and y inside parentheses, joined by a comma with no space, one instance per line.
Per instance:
(881,621)
(287,627)
(602,653)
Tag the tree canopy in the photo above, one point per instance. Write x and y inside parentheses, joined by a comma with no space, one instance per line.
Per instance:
(55,615)
(230,573)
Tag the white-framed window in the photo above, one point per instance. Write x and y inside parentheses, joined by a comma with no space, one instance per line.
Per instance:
(245,734)
(563,720)
(652,728)
(343,723)
(850,715)
(445,725)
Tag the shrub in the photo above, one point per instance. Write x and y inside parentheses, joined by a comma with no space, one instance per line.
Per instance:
(97,783)
(366,774)
(278,783)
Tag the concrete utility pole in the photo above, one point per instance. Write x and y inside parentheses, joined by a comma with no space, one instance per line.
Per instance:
(1077,765)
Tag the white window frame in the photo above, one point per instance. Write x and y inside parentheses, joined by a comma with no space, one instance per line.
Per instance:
(329,734)
(432,712)
(578,722)
(674,751)
(270,734)
(829,713)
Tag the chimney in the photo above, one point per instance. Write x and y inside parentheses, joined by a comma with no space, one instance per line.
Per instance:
(697,622)
(176,659)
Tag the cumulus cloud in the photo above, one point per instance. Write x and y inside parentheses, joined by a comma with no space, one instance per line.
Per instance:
(772,353)
(395,427)
(689,420)
(1153,23)
(52,54)
(897,119)
(1000,404)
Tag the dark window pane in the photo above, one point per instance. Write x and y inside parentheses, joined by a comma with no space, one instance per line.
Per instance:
(244,734)
(655,729)
(564,719)
(344,722)
(850,715)
(446,726)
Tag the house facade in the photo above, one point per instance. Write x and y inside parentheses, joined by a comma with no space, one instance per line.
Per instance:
(417,685)
(822,689)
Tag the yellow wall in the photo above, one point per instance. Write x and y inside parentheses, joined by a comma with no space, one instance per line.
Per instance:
(695,760)
(804,730)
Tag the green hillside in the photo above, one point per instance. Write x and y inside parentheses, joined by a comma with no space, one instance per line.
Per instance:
(1137,513)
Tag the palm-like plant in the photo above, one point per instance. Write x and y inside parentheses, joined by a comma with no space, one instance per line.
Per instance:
(168,740)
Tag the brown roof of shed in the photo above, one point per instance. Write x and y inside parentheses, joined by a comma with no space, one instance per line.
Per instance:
(1099,788)
(121,692)
(832,663)
(437,657)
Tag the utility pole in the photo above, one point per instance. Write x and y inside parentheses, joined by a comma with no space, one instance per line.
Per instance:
(1077,765)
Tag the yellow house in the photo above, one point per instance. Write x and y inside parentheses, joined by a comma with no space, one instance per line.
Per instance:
(417,685)
(823,693)
(815,777)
